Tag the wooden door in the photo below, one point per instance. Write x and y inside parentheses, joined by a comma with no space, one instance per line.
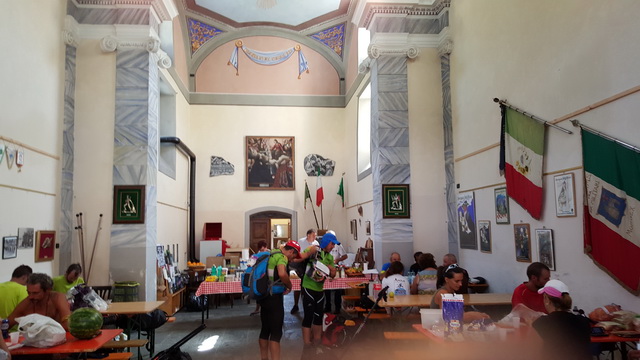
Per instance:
(260,229)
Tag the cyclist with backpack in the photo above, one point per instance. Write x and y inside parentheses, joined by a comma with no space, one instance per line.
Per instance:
(312,287)
(272,305)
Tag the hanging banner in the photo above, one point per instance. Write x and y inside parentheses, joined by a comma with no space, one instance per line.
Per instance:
(269,58)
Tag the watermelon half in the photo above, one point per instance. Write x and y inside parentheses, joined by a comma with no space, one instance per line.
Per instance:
(85,323)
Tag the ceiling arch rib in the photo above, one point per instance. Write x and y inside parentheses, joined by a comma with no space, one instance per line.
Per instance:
(221,39)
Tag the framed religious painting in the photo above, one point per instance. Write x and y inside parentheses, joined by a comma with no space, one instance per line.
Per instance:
(45,245)
(565,195)
(484,232)
(522,238)
(546,253)
(502,205)
(9,247)
(270,162)
(466,210)
(128,204)
(395,201)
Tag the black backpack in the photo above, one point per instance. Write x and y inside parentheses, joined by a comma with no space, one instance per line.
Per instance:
(150,321)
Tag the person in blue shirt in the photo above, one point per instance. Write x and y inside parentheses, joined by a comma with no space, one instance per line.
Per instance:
(393,258)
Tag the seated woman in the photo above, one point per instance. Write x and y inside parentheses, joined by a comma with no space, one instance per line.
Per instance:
(426,278)
(565,335)
(452,283)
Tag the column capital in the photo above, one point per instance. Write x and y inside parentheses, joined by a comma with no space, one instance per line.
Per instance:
(111,43)
(70,32)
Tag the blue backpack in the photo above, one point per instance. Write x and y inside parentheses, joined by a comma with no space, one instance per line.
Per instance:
(255,280)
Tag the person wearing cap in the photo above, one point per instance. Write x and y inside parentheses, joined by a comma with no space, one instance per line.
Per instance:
(272,306)
(527,292)
(566,336)
(339,255)
(312,286)
(299,264)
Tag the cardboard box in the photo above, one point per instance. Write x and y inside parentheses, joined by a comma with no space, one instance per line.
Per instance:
(232,260)
(214,260)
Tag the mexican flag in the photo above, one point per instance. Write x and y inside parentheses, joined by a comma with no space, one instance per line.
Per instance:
(319,190)
(612,208)
(521,154)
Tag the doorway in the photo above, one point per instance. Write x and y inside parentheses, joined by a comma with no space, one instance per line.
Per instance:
(271,225)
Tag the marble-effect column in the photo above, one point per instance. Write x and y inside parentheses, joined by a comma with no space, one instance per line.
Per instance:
(390,149)
(135,162)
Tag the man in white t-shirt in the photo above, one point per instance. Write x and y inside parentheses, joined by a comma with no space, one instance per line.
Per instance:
(339,255)
(299,266)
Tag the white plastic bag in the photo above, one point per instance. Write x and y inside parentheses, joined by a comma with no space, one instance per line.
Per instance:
(41,331)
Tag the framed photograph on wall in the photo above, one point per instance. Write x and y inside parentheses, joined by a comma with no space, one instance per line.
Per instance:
(25,238)
(522,237)
(128,204)
(466,211)
(502,205)
(368,227)
(9,247)
(45,245)
(395,201)
(546,254)
(270,162)
(565,195)
(484,232)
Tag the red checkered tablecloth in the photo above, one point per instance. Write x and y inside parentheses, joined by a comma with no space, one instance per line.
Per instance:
(234,287)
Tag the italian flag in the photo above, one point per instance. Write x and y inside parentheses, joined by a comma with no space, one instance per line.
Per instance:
(522,146)
(319,191)
(612,208)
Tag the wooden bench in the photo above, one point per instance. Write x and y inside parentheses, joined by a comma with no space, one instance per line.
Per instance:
(123,344)
(119,356)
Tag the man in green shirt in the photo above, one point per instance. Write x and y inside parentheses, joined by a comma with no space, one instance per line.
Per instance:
(70,279)
(312,286)
(272,306)
(14,291)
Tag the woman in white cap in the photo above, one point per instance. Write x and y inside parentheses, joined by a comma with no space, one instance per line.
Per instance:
(566,335)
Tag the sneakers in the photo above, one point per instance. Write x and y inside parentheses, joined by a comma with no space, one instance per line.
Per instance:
(294,309)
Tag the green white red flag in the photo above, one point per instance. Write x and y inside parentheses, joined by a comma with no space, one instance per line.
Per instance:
(319,190)
(341,191)
(307,195)
(612,196)
(522,148)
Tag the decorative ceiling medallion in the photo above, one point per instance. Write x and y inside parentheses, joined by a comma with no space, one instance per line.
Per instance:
(200,33)
(332,37)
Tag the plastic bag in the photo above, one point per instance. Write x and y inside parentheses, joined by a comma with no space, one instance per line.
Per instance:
(452,314)
(84,296)
(41,331)
(525,314)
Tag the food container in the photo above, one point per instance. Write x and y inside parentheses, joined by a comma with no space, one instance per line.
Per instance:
(430,317)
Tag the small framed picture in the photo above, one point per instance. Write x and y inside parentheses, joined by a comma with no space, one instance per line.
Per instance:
(128,204)
(354,229)
(522,236)
(466,211)
(45,245)
(9,247)
(395,201)
(546,254)
(25,238)
(368,227)
(502,205)
(565,195)
(484,231)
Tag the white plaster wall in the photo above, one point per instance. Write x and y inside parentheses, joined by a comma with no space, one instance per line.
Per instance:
(93,156)
(31,99)
(549,58)
(426,139)
(221,131)
(173,195)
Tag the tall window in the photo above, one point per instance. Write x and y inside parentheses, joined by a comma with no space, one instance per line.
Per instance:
(364,133)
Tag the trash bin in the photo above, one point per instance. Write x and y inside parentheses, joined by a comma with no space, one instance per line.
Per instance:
(125,291)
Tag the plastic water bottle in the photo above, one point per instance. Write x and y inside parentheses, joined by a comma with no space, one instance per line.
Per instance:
(5,328)
(377,286)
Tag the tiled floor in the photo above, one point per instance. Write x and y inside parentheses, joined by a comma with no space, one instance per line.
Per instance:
(232,333)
